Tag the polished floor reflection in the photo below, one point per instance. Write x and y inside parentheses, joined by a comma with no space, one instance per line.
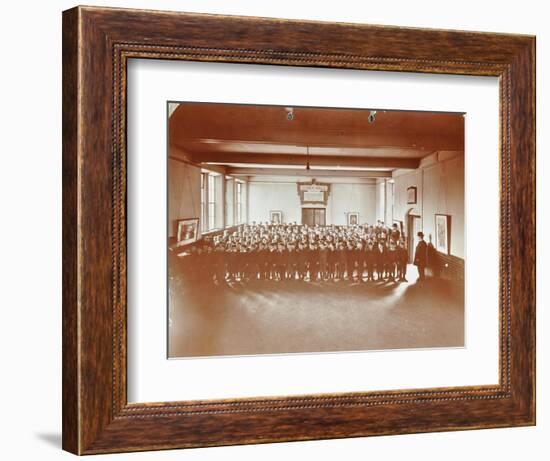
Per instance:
(267,317)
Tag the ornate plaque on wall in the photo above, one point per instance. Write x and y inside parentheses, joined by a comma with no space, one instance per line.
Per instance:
(313,193)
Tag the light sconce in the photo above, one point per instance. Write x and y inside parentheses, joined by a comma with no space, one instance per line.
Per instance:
(289,114)
(372,116)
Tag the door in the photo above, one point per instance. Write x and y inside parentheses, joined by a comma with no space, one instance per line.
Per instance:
(414,226)
(313,216)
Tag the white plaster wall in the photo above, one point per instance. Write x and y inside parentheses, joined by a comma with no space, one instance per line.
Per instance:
(401,183)
(344,198)
(380,198)
(184,193)
(444,194)
(440,190)
(266,196)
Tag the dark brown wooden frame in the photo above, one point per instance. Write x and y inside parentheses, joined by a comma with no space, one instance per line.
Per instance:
(276,211)
(413,188)
(349,214)
(97,44)
(196,222)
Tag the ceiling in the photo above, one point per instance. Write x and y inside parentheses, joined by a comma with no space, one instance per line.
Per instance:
(256,140)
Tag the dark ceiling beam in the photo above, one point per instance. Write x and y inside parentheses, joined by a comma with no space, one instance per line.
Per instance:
(303,172)
(221,169)
(179,154)
(317,160)
(324,142)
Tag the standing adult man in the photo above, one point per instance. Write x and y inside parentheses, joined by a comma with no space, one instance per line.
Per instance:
(421,256)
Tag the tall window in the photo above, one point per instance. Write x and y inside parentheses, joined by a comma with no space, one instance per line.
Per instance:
(211,201)
(229,202)
(208,201)
(239,202)
(392,192)
(204,222)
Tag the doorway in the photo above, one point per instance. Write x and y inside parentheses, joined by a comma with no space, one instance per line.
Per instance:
(313,216)
(414,226)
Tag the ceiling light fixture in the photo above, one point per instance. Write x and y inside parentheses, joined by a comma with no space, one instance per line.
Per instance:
(307,158)
(372,116)
(289,114)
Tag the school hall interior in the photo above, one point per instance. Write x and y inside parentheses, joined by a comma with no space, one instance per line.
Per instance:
(300,228)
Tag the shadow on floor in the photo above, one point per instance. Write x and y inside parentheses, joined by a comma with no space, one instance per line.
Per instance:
(50,438)
(269,317)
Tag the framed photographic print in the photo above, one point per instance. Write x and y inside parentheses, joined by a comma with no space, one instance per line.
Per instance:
(442,236)
(166,115)
(353,218)
(276,217)
(411,195)
(187,231)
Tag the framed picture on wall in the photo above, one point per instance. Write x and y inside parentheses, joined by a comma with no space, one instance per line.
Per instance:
(183,110)
(411,195)
(353,218)
(275,217)
(187,231)
(442,233)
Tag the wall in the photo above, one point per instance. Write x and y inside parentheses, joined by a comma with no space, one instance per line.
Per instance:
(388,197)
(184,193)
(380,198)
(443,193)
(263,197)
(440,190)
(402,180)
(184,196)
(266,196)
(360,198)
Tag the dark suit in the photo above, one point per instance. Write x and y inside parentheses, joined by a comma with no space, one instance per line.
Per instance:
(421,258)
(391,263)
(370,259)
(380,258)
(402,259)
(342,259)
(302,262)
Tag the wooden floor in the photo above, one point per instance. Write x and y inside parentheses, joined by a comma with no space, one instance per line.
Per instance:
(268,317)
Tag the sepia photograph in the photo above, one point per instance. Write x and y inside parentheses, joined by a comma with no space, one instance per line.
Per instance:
(442,233)
(275,217)
(298,229)
(187,231)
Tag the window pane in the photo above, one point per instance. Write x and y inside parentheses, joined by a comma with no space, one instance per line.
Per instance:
(211,215)
(204,224)
(211,187)
(210,207)
(239,202)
